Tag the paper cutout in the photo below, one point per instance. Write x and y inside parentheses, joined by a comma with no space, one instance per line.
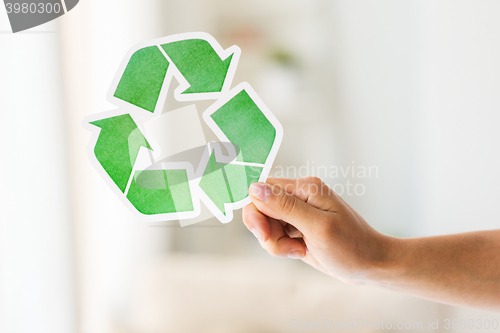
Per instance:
(129,157)
(244,124)
(199,64)
(142,79)
(114,149)
(224,184)
(160,192)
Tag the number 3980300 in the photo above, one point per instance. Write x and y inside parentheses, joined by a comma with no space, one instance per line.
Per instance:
(32,8)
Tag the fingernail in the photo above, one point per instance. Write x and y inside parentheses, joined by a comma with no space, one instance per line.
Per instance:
(295,255)
(258,234)
(259,191)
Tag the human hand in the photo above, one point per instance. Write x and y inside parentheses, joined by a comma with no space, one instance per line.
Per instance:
(305,219)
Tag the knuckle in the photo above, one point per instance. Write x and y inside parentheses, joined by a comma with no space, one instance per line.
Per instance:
(314,180)
(314,186)
(286,203)
(273,250)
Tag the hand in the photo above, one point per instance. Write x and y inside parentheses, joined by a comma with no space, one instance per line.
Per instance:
(305,219)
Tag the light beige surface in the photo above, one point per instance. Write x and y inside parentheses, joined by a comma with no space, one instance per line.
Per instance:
(238,295)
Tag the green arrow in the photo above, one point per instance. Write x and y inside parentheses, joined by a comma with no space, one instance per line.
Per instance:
(200,65)
(143,78)
(244,124)
(227,183)
(118,146)
(160,191)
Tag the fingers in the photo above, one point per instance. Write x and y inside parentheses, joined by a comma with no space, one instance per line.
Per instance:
(280,245)
(284,210)
(256,222)
(272,235)
(292,232)
(311,190)
(273,201)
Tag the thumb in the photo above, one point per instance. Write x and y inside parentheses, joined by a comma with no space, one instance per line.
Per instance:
(275,202)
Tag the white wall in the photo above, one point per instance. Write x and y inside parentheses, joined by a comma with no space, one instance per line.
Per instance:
(112,246)
(36,250)
(460,146)
(415,92)
(373,53)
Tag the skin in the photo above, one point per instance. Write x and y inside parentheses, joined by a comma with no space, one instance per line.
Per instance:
(304,219)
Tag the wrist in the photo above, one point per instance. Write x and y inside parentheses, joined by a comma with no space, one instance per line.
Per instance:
(387,265)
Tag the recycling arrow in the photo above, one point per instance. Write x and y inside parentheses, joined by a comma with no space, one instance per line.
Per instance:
(120,149)
(225,183)
(118,146)
(204,69)
(199,64)
(155,192)
(142,79)
(239,120)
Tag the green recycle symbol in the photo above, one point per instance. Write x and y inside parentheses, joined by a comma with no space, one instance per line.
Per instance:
(248,132)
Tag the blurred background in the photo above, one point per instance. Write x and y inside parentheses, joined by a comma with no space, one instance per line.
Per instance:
(405,90)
